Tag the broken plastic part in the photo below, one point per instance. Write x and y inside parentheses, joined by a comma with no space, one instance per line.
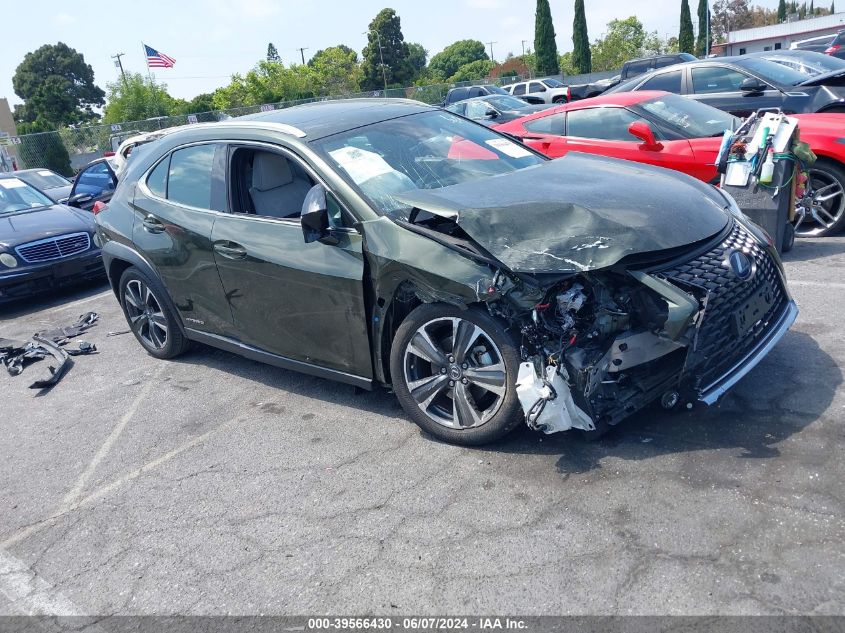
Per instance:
(56,373)
(682,306)
(547,401)
(635,348)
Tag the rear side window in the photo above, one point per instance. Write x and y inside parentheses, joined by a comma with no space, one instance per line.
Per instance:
(458,94)
(157,180)
(519,89)
(476,92)
(669,82)
(536,86)
(189,177)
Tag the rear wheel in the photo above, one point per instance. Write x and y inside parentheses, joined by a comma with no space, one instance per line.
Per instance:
(454,371)
(152,321)
(821,212)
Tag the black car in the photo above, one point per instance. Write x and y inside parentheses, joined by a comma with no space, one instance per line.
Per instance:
(96,182)
(742,85)
(494,109)
(56,187)
(390,243)
(808,63)
(468,92)
(42,244)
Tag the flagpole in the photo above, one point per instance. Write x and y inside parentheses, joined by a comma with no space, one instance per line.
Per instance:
(152,83)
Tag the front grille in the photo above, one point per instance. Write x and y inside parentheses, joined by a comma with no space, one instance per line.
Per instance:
(54,248)
(724,338)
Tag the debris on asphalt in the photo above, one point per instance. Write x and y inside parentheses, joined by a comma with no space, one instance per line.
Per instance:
(16,355)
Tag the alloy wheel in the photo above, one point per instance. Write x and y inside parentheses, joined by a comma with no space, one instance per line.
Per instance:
(821,207)
(455,373)
(145,315)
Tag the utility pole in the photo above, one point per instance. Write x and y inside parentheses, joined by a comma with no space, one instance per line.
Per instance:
(490,44)
(381,56)
(302,53)
(523,47)
(116,57)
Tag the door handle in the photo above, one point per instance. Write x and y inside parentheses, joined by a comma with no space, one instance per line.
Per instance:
(230,250)
(153,224)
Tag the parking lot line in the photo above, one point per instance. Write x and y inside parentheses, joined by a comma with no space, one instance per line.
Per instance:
(73,495)
(29,592)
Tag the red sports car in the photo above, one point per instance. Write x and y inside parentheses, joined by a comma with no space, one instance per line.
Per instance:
(670,131)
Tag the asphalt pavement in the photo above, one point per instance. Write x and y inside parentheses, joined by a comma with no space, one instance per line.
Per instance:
(213,484)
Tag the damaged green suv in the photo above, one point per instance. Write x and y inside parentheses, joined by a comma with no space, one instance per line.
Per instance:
(388,243)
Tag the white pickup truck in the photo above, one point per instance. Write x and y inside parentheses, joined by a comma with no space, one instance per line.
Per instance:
(547,90)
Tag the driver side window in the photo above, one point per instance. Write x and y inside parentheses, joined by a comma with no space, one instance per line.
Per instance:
(267,183)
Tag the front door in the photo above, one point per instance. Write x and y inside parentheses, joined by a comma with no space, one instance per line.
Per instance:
(95,183)
(300,301)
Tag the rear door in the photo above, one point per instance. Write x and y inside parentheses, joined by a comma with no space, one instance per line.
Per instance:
(719,86)
(175,206)
(301,301)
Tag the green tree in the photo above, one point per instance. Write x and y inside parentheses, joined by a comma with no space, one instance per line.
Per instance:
(686,39)
(812,9)
(268,82)
(473,71)
(201,103)
(272,53)
(581,54)
(385,31)
(625,39)
(782,11)
(417,57)
(137,97)
(832,8)
(42,147)
(336,70)
(446,62)
(704,39)
(57,86)
(545,47)
(730,15)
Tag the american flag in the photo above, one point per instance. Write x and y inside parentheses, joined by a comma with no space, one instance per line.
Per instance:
(158,60)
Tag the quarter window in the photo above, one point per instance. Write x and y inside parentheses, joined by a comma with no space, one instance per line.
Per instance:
(714,79)
(536,86)
(190,176)
(519,89)
(609,124)
(157,180)
(669,82)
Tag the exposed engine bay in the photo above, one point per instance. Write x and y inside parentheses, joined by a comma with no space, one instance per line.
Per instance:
(597,347)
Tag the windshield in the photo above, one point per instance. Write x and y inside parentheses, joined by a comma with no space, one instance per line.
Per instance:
(552,83)
(45,179)
(506,102)
(16,195)
(429,150)
(693,118)
(810,64)
(771,71)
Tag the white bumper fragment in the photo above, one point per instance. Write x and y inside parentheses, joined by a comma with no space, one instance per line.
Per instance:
(548,405)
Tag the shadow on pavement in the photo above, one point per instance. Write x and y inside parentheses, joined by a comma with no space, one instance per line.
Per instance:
(807,249)
(53,299)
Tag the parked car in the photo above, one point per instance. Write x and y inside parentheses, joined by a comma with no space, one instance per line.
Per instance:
(48,182)
(742,85)
(95,183)
(468,92)
(640,66)
(118,161)
(817,44)
(837,46)
(385,242)
(808,63)
(42,244)
(494,108)
(669,131)
(548,90)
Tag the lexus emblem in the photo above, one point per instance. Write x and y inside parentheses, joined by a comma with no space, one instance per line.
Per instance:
(741,265)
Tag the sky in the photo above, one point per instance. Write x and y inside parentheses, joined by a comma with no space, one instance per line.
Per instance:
(212,39)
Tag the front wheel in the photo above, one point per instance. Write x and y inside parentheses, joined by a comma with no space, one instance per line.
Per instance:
(821,211)
(454,373)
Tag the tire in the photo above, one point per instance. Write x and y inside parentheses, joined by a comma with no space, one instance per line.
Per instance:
(464,394)
(821,218)
(149,313)
(788,238)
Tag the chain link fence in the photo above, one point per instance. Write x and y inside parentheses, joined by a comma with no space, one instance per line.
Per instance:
(73,147)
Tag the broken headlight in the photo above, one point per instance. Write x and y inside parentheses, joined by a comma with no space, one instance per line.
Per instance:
(8,260)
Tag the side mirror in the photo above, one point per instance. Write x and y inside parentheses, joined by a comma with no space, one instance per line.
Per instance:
(643,131)
(78,199)
(752,86)
(315,217)
(490,113)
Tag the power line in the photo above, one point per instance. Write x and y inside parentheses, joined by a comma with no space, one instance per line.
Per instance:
(302,53)
(119,64)
(490,44)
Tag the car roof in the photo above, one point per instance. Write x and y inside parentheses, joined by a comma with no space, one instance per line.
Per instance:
(324,118)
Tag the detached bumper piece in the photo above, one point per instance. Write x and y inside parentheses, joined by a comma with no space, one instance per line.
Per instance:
(16,355)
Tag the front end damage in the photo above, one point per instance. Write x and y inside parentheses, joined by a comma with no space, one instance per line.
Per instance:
(599,345)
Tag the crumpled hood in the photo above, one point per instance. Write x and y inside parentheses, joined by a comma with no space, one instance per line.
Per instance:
(577,213)
(28,226)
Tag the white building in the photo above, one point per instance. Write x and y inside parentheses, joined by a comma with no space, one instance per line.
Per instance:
(781,36)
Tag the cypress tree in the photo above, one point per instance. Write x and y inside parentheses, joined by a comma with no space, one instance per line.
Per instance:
(832,8)
(782,11)
(581,56)
(703,39)
(812,8)
(686,39)
(545,47)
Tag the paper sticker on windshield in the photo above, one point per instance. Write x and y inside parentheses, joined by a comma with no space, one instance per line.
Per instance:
(508,147)
(11,183)
(360,164)
(44,172)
